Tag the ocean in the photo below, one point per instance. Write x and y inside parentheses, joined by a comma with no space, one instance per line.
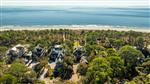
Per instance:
(29,16)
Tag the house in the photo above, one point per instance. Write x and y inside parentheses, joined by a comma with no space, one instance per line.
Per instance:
(38,51)
(27,56)
(16,51)
(78,52)
(57,53)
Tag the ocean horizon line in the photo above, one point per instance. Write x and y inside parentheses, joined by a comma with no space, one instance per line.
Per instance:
(74,25)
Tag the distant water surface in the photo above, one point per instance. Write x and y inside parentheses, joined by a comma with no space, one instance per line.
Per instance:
(28,16)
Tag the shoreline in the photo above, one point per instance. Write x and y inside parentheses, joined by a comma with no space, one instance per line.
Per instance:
(74,27)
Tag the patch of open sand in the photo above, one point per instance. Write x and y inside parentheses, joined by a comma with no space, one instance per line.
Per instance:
(75,77)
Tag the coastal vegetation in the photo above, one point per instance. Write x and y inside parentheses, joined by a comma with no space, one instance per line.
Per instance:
(101,57)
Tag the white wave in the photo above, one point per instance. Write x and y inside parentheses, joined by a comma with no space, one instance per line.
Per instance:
(74,27)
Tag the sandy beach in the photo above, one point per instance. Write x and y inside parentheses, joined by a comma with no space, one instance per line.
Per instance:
(73,27)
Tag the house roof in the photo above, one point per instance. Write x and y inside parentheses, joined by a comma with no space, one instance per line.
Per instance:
(57,46)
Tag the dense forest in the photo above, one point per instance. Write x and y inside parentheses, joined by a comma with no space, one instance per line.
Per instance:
(101,57)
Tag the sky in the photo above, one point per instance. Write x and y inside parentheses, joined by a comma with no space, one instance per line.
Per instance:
(99,3)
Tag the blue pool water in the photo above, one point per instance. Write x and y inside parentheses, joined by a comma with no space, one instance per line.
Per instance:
(132,17)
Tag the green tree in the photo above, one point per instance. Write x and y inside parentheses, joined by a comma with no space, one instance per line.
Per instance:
(21,72)
(8,79)
(131,56)
(2,52)
(64,69)
(142,79)
(94,49)
(18,70)
(117,64)
(99,71)
(82,68)
(29,77)
(140,42)
(67,67)
(144,68)
(43,62)
(112,52)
